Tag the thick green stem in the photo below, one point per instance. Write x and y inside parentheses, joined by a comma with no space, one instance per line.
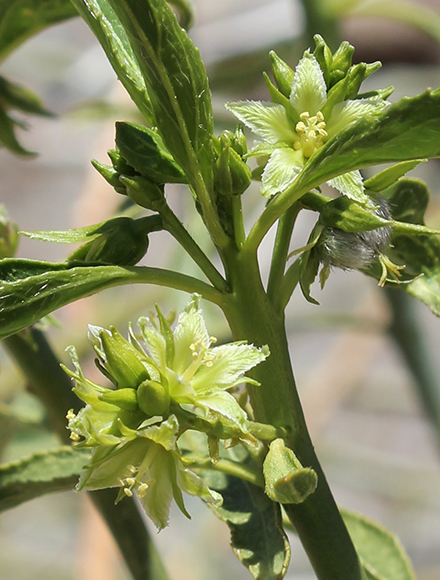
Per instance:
(252,317)
(409,335)
(41,367)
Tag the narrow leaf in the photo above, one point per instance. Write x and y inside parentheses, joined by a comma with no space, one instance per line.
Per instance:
(380,551)
(21,19)
(40,474)
(390,175)
(107,28)
(176,81)
(257,536)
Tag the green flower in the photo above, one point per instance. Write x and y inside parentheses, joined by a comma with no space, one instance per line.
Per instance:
(294,128)
(178,382)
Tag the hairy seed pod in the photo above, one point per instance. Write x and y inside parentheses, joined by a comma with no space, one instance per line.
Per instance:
(354,251)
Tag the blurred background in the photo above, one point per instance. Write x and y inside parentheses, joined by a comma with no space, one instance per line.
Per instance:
(375,429)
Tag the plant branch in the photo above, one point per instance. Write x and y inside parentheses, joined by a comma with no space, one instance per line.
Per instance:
(280,251)
(175,227)
(239,470)
(36,359)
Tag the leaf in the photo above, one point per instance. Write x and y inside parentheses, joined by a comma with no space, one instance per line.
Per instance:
(380,551)
(390,175)
(107,28)
(40,474)
(176,82)
(7,135)
(409,129)
(29,290)
(21,19)
(408,200)
(144,150)
(257,536)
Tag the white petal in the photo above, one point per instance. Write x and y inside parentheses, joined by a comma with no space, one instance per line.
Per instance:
(190,329)
(345,113)
(228,365)
(267,120)
(351,185)
(154,341)
(282,168)
(309,91)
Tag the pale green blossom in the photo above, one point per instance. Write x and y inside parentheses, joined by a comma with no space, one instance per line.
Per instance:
(179,381)
(293,132)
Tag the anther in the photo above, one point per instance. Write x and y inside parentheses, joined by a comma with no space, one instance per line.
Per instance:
(128,492)
(75,436)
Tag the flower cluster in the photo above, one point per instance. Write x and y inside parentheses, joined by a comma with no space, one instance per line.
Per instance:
(179,381)
(310,106)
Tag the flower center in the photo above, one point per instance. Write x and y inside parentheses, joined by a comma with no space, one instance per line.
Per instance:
(311,132)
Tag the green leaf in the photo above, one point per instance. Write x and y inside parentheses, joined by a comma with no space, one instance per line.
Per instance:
(409,129)
(257,535)
(380,551)
(21,98)
(144,150)
(390,175)
(176,81)
(30,289)
(40,474)
(21,19)
(7,135)
(107,28)
(408,200)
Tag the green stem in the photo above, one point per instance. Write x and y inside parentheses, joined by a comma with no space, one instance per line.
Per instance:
(251,316)
(409,335)
(280,251)
(175,227)
(239,470)
(289,283)
(237,216)
(33,353)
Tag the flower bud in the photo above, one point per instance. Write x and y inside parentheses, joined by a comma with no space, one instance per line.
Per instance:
(342,58)
(8,234)
(282,73)
(152,398)
(144,192)
(286,480)
(111,176)
(121,360)
(123,398)
(125,243)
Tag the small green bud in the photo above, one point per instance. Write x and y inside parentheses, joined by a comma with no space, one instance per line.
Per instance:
(282,73)
(144,192)
(110,174)
(8,234)
(232,175)
(124,244)
(286,480)
(343,57)
(356,76)
(239,142)
(324,56)
(119,163)
(124,398)
(152,398)
(120,359)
